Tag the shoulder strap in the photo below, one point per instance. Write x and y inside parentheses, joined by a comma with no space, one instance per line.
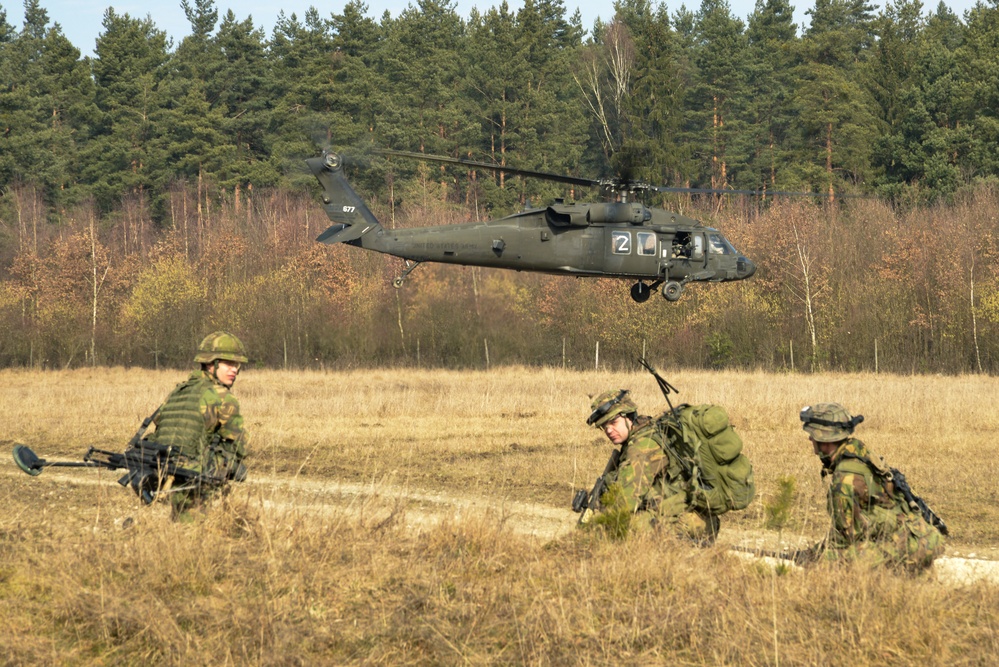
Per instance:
(882,473)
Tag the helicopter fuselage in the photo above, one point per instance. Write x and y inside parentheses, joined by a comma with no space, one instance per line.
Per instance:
(667,246)
(610,239)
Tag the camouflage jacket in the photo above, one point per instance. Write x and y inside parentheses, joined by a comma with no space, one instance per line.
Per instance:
(868,517)
(646,475)
(194,412)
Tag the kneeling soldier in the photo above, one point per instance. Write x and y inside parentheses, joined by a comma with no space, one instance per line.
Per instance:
(871,518)
(200,419)
(649,486)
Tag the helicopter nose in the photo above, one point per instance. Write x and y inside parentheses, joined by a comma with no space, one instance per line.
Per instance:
(745,267)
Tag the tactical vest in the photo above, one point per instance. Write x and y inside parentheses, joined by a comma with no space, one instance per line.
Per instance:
(181,424)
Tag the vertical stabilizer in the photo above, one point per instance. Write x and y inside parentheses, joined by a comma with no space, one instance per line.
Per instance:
(350,216)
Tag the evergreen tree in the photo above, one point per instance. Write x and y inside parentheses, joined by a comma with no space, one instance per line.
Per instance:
(194,140)
(838,121)
(978,73)
(496,75)
(7,31)
(551,131)
(238,89)
(772,36)
(203,17)
(424,76)
(653,112)
(303,111)
(46,108)
(919,157)
(718,94)
(358,89)
(123,156)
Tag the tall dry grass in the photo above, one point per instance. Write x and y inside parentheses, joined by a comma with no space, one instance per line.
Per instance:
(284,574)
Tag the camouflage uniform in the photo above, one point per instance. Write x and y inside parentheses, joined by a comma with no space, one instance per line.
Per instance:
(648,482)
(200,419)
(870,520)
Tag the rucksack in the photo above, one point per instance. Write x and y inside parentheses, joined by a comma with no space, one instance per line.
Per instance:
(711,451)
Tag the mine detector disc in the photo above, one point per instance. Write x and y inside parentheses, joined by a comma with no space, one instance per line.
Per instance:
(28,461)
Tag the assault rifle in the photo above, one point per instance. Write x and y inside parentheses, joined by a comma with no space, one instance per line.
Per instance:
(151,469)
(800,557)
(917,504)
(585,502)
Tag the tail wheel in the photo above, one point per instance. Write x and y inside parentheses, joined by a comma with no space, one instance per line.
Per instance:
(672,290)
(640,292)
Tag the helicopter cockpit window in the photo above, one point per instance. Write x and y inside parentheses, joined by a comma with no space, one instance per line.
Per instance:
(719,245)
(621,243)
(647,243)
(698,251)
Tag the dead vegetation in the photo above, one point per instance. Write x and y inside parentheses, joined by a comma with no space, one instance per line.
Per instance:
(299,567)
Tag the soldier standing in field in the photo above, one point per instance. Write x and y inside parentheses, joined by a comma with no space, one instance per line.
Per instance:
(648,488)
(871,519)
(200,420)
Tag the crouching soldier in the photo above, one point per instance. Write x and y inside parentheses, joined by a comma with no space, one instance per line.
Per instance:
(200,420)
(645,485)
(875,516)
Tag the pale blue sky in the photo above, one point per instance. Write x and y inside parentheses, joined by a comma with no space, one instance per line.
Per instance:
(81,19)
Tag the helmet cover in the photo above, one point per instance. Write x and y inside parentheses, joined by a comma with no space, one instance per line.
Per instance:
(221,345)
(828,422)
(608,405)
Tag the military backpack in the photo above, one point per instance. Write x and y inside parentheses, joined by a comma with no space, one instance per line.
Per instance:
(711,453)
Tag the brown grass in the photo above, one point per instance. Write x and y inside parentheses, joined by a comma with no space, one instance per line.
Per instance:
(295,569)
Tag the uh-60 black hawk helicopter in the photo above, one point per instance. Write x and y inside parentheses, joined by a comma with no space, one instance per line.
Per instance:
(619,239)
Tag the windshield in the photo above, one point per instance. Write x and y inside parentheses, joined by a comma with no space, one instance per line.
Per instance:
(719,245)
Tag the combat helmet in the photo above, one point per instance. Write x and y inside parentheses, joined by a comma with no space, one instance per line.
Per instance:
(828,422)
(610,404)
(220,345)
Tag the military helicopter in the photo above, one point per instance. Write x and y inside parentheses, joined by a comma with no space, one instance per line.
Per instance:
(620,239)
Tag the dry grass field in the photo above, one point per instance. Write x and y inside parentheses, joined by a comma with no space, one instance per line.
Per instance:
(421,517)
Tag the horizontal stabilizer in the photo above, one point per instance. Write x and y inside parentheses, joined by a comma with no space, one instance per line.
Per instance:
(341,233)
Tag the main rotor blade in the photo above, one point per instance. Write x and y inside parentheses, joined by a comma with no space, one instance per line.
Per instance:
(755,193)
(610,184)
(571,180)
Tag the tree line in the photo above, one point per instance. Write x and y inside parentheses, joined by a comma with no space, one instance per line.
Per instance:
(901,102)
(152,192)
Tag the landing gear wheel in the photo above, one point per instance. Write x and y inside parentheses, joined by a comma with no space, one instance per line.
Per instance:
(409,266)
(640,292)
(672,290)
